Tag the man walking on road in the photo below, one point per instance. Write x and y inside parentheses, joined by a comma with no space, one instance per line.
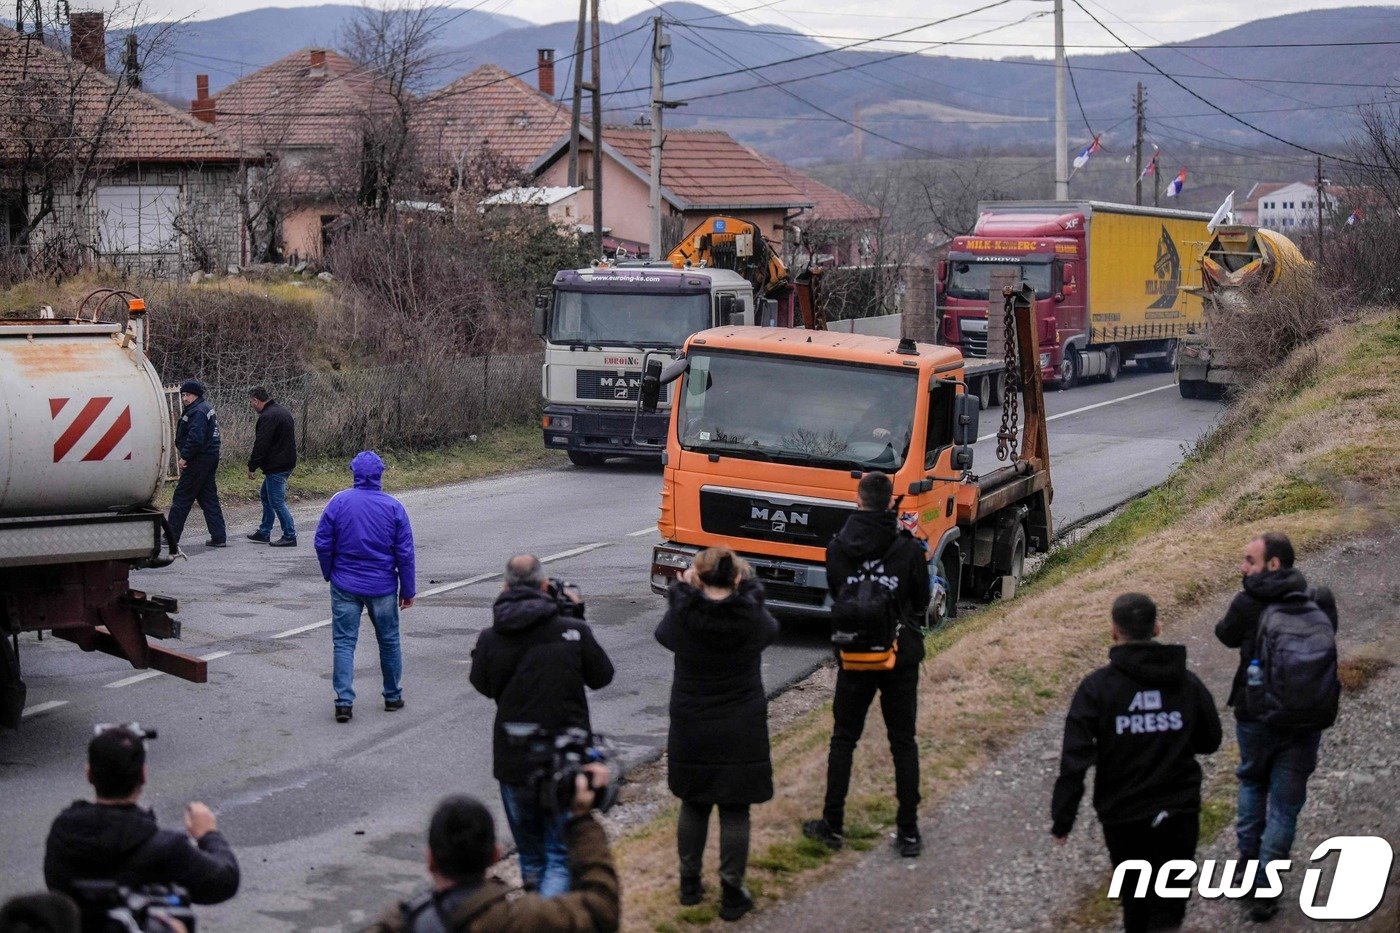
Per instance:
(1278,752)
(535,661)
(365,545)
(275,452)
(1140,722)
(871,546)
(197,441)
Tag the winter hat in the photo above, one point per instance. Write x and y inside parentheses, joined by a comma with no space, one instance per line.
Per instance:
(193,387)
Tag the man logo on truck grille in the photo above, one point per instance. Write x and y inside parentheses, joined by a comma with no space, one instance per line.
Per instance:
(622,386)
(1168,270)
(90,430)
(779,518)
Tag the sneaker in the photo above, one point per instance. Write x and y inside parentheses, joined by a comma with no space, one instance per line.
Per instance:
(908,845)
(391,706)
(212,543)
(734,902)
(1263,909)
(284,541)
(822,831)
(344,713)
(692,891)
(258,536)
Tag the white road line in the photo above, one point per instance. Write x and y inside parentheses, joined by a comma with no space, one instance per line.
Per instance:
(649,530)
(38,708)
(302,628)
(150,675)
(574,552)
(469,581)
(1077,411)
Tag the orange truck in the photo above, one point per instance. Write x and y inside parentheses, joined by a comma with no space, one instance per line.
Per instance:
(771,430)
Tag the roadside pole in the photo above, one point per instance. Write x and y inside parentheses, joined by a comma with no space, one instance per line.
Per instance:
(1061,128)
(659,43)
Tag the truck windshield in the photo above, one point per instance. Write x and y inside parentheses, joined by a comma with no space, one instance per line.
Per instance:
(970,279)
(798,411)
(627,320)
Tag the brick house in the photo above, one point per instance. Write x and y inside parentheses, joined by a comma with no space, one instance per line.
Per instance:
(93,169)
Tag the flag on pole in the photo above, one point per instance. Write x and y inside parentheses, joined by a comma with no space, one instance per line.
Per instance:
(1222,213)
(1355,218)
(1177,184)
(1151,168)
(1083,158)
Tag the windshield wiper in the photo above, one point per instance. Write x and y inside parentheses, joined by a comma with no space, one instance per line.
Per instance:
(801,456)
(732,450)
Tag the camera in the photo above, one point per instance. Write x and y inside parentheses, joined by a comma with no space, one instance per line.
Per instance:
(135,728)
(555,759)
(120,909)
(568,596)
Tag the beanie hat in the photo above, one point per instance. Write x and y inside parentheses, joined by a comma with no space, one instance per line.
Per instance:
(193,387)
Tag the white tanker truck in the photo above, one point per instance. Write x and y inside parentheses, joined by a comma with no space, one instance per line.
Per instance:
(85,438)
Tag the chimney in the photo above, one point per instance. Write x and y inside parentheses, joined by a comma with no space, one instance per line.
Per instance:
(202,107)
(88,37)
(546,72)
(318,64)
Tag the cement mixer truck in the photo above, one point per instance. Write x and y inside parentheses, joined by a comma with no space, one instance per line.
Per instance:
(85,437)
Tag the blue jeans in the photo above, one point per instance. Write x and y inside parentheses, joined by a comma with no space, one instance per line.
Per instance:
(274,502)
(539,841)
(1273,772)
(346,609)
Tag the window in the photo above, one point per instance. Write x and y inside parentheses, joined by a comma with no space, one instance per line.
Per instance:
(940,423)
(137,218)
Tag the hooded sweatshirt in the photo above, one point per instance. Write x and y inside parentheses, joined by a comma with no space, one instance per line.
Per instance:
(1241,623)
(536,665)
(364,540)
(122,843)
(1140,722)
(866,538)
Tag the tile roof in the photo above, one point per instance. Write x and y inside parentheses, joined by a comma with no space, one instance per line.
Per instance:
(290,104)
(141,128)
(831,205)
(489,105)
(1262,189)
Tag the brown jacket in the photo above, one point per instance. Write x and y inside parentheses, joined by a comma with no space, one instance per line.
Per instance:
(594,903)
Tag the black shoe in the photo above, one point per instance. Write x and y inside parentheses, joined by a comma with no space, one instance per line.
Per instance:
(734,902)
(393,705)
(258,536)
(821,831)
(692,891)
(908,845)
(1262,909)
(284,541)
(212,543)
(344,713)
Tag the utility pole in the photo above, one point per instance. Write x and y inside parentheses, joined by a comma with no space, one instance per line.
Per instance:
(1061,128)
(1157,185)
(597,90)
(1321,192)
(659,44)
(1141,129)
(578,95)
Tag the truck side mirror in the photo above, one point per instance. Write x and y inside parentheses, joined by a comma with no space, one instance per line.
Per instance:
(962,458)
(650,393)
(541,314)
(966,412)
(727,306)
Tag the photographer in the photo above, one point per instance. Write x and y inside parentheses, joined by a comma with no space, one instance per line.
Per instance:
(535,662)
(114,839)
(462,846)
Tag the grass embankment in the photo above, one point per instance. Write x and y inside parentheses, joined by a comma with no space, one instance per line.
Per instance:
(1311,452)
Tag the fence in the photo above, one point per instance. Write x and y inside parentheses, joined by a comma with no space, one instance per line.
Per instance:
(408,405)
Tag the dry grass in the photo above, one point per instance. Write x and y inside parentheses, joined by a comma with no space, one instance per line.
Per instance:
(1275,463)
(1356,673)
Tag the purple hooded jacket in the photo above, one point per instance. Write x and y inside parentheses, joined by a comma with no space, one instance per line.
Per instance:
(364,540)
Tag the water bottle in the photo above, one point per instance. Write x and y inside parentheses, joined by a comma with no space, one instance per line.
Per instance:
(1255,675)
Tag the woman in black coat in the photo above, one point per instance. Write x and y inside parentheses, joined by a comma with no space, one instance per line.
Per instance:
(717,750)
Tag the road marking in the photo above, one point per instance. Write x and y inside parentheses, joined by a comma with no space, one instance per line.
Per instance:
(1077,411)
(38,708)
(469,581)
(574,552)
(150,675)
(649,530)
(302,628)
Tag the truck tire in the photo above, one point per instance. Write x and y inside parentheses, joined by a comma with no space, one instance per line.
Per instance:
(1113,364)
(580,458)
(997,389)
(984,392)
(1069,371)
(1164,364)
(1190,388)
(940,606)
(1017,565)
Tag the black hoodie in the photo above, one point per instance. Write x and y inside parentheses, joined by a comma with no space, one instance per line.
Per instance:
(1241,623)
(122,843)
(1140,722)
(869,536)
(717,749)
(535,664)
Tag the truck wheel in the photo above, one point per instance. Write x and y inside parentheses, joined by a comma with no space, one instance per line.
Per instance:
(1017,568)
(1069,371)
(940,606)
(1112,364)
(997,389)
(1164,364)
(1190,388)
(984,392)
(580,458)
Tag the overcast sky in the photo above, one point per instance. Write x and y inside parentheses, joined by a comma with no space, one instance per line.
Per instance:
(840,21)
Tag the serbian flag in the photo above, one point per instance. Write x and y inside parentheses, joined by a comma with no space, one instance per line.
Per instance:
(1177,184)
(1355,218)
(1083,158)
(1151,168)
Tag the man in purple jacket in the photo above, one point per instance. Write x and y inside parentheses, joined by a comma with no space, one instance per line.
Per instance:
(365,545)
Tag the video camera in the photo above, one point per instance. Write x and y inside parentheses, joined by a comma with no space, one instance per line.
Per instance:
(555,760)
(120,909)
(568,596)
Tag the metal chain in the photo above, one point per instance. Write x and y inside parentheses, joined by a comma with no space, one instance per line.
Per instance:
(1010,394)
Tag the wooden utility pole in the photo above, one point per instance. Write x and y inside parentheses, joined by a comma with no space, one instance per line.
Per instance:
(578,95)
(1157,185)
(658,51)
(1321,193)
(1141,129)
(597,90)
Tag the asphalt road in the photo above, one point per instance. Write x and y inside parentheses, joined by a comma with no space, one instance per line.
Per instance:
(328,819)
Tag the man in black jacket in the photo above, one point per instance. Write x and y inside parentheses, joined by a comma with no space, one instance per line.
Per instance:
(197,441)
(1139,722)
(113,839)
(535,663)
(866,545)
(275,452)
(1274,765)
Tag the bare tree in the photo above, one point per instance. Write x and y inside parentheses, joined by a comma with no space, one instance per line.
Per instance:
(1363,255)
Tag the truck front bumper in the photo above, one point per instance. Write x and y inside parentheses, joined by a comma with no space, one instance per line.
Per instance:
(793,588)
(608,432)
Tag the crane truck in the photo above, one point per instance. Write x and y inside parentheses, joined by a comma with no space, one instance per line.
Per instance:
(84,453)
(777,481)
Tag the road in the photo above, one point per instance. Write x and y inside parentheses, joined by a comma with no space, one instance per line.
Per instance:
(328,819)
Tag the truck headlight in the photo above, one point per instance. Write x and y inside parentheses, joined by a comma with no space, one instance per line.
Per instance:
(664,558)
(559,422)
(1044,360)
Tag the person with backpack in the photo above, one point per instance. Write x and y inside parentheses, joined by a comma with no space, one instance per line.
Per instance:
(717,752)
(1139,722)
(1285,692)
(878,578)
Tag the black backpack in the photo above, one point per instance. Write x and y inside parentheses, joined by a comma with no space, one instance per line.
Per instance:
(865,619)
(1296,648)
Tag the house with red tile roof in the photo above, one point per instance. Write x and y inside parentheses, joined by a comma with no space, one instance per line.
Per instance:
(839,227)
(92,168)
